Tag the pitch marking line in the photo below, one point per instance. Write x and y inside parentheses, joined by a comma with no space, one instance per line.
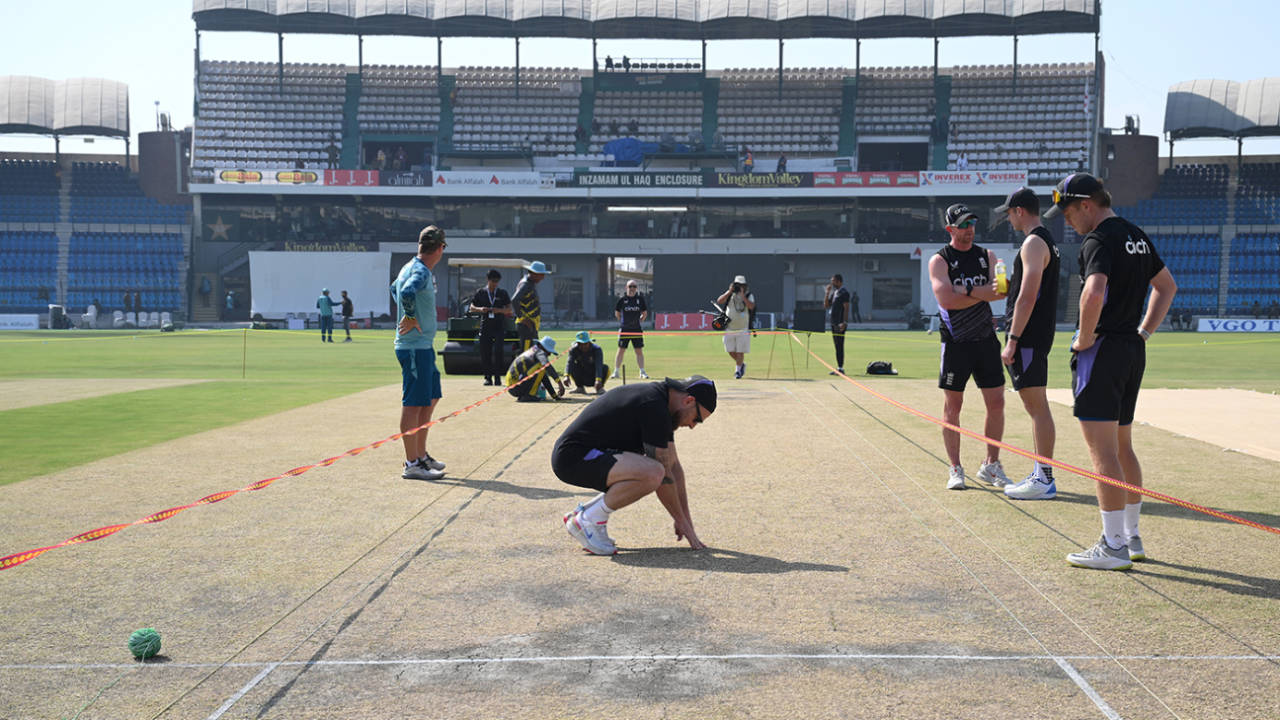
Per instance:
(267,667)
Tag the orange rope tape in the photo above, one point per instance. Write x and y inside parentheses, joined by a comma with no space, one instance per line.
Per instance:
(1049,461)
(102,532)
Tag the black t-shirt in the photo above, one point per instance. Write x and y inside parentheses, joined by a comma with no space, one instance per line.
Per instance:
(1122,251)
(631,307)
(839,301)
(499,299)
(347,307)
(1038,332)
(625,418)
(967,268)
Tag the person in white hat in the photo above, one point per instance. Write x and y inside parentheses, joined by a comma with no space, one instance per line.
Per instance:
(528,309)
(738,304)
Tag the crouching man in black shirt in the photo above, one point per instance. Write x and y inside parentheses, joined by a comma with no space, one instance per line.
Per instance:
(623,445)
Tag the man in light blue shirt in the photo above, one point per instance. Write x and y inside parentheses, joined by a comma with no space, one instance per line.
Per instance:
(414,292)
(325,303)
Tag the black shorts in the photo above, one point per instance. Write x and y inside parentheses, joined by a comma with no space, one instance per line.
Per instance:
(583,467)
(980,358)
(634,337)
(1030,367)
(1105,378)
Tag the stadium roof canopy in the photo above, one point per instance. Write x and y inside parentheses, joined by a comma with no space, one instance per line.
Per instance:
(1223,108)
(652,19)
(78,106)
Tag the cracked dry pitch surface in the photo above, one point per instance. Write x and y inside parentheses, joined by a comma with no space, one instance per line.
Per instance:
(844,580)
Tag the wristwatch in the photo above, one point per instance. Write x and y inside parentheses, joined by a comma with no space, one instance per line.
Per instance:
(969,291)
(1015,338)
(1146,335)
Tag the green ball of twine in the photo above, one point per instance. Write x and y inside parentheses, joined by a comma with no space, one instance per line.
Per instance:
(144,643)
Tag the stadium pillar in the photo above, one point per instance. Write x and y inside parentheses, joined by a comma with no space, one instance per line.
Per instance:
(1015,63)
(779,69)
(439,60)
(280,61)
(360,56)
(1170,151)
(1239,156)
(857,66)
(57,150)
(935,58)
(517,68)
(704,55)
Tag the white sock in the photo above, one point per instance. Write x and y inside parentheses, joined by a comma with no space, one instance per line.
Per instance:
(1131,519)
(597,513)
(1113,528)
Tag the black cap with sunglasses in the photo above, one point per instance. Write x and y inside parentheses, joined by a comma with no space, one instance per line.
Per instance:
(1076,186)
(958,214)
(702,390)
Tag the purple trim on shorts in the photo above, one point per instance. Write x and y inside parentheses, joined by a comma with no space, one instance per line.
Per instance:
(1026,357)
(593,455)
(1084,366)
(946,318)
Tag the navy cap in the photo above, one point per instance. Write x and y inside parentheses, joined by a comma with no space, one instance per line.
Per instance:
(958,213)
(1076,186)
(1021,198)
(702,390)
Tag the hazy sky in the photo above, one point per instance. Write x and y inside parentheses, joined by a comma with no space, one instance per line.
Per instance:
(149,44)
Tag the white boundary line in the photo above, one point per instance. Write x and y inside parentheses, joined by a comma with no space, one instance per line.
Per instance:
(692,657)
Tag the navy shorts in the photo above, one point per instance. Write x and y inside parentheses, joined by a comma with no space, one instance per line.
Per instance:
(979,358)
(1030,367)
(633,337)
(1105,378)
(420,376)
(583,467)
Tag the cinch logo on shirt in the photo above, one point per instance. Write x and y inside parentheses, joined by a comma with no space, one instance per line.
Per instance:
(968,282)
(1137,248)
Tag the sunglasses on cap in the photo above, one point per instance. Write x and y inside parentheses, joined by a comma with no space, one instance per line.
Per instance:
(967,224)
(1058,196)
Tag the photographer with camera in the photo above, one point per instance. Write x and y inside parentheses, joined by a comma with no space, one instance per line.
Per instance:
(738,303)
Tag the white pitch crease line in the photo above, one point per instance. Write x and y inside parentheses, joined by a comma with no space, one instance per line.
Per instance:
(1084,685)
(243,691)
(552,659)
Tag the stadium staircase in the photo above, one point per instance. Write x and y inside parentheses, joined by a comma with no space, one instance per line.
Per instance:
(940,136)
(586,111)
(63,230)
(847,144)
(444,135)
(1228,239)
(710,109)
(350,125)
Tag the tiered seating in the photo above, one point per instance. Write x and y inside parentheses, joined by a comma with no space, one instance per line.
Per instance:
(28,191)
(487,115)
(105,265)
(1194,262)
(105,193)
(28,271)
(655,113)
(1258,194)
(895,101)
(1041,127)
(246,121)
(1254,282)
(805,120)
(1187,195)
(399,99)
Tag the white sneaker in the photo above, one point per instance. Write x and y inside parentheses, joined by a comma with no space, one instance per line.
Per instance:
(414,471)
(1032,487)
(594,537)
(430,462)
(614,376)
(582,506)
(644,375)
(1102,557)
(1136,552)
(993,474)
(955,481)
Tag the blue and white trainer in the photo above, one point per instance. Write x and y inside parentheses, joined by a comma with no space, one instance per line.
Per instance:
(1032,487)
(594,537)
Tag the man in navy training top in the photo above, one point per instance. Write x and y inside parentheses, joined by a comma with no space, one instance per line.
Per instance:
(414,292)
(963,281)
(1118,262)
(1032,309)
(623,446)
(631,312)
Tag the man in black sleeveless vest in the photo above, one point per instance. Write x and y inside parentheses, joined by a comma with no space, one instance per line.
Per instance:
(962,277)
(1118,262)
(1032,310)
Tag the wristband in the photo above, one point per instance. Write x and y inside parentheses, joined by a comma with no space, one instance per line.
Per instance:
(1015,338)
(1144,333)
(969,291)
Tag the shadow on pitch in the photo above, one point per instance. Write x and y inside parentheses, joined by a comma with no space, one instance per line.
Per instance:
(502,486)
(715,560)
(1158,508)
(1225,580)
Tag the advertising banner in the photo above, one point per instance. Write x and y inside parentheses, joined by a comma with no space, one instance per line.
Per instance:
(682,321)
(956,178)
(405,178)
(760,180)
(448,178)
(1237,325)
(245,176)
(639,179)
(356,178)
(19,322)
(866,179)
